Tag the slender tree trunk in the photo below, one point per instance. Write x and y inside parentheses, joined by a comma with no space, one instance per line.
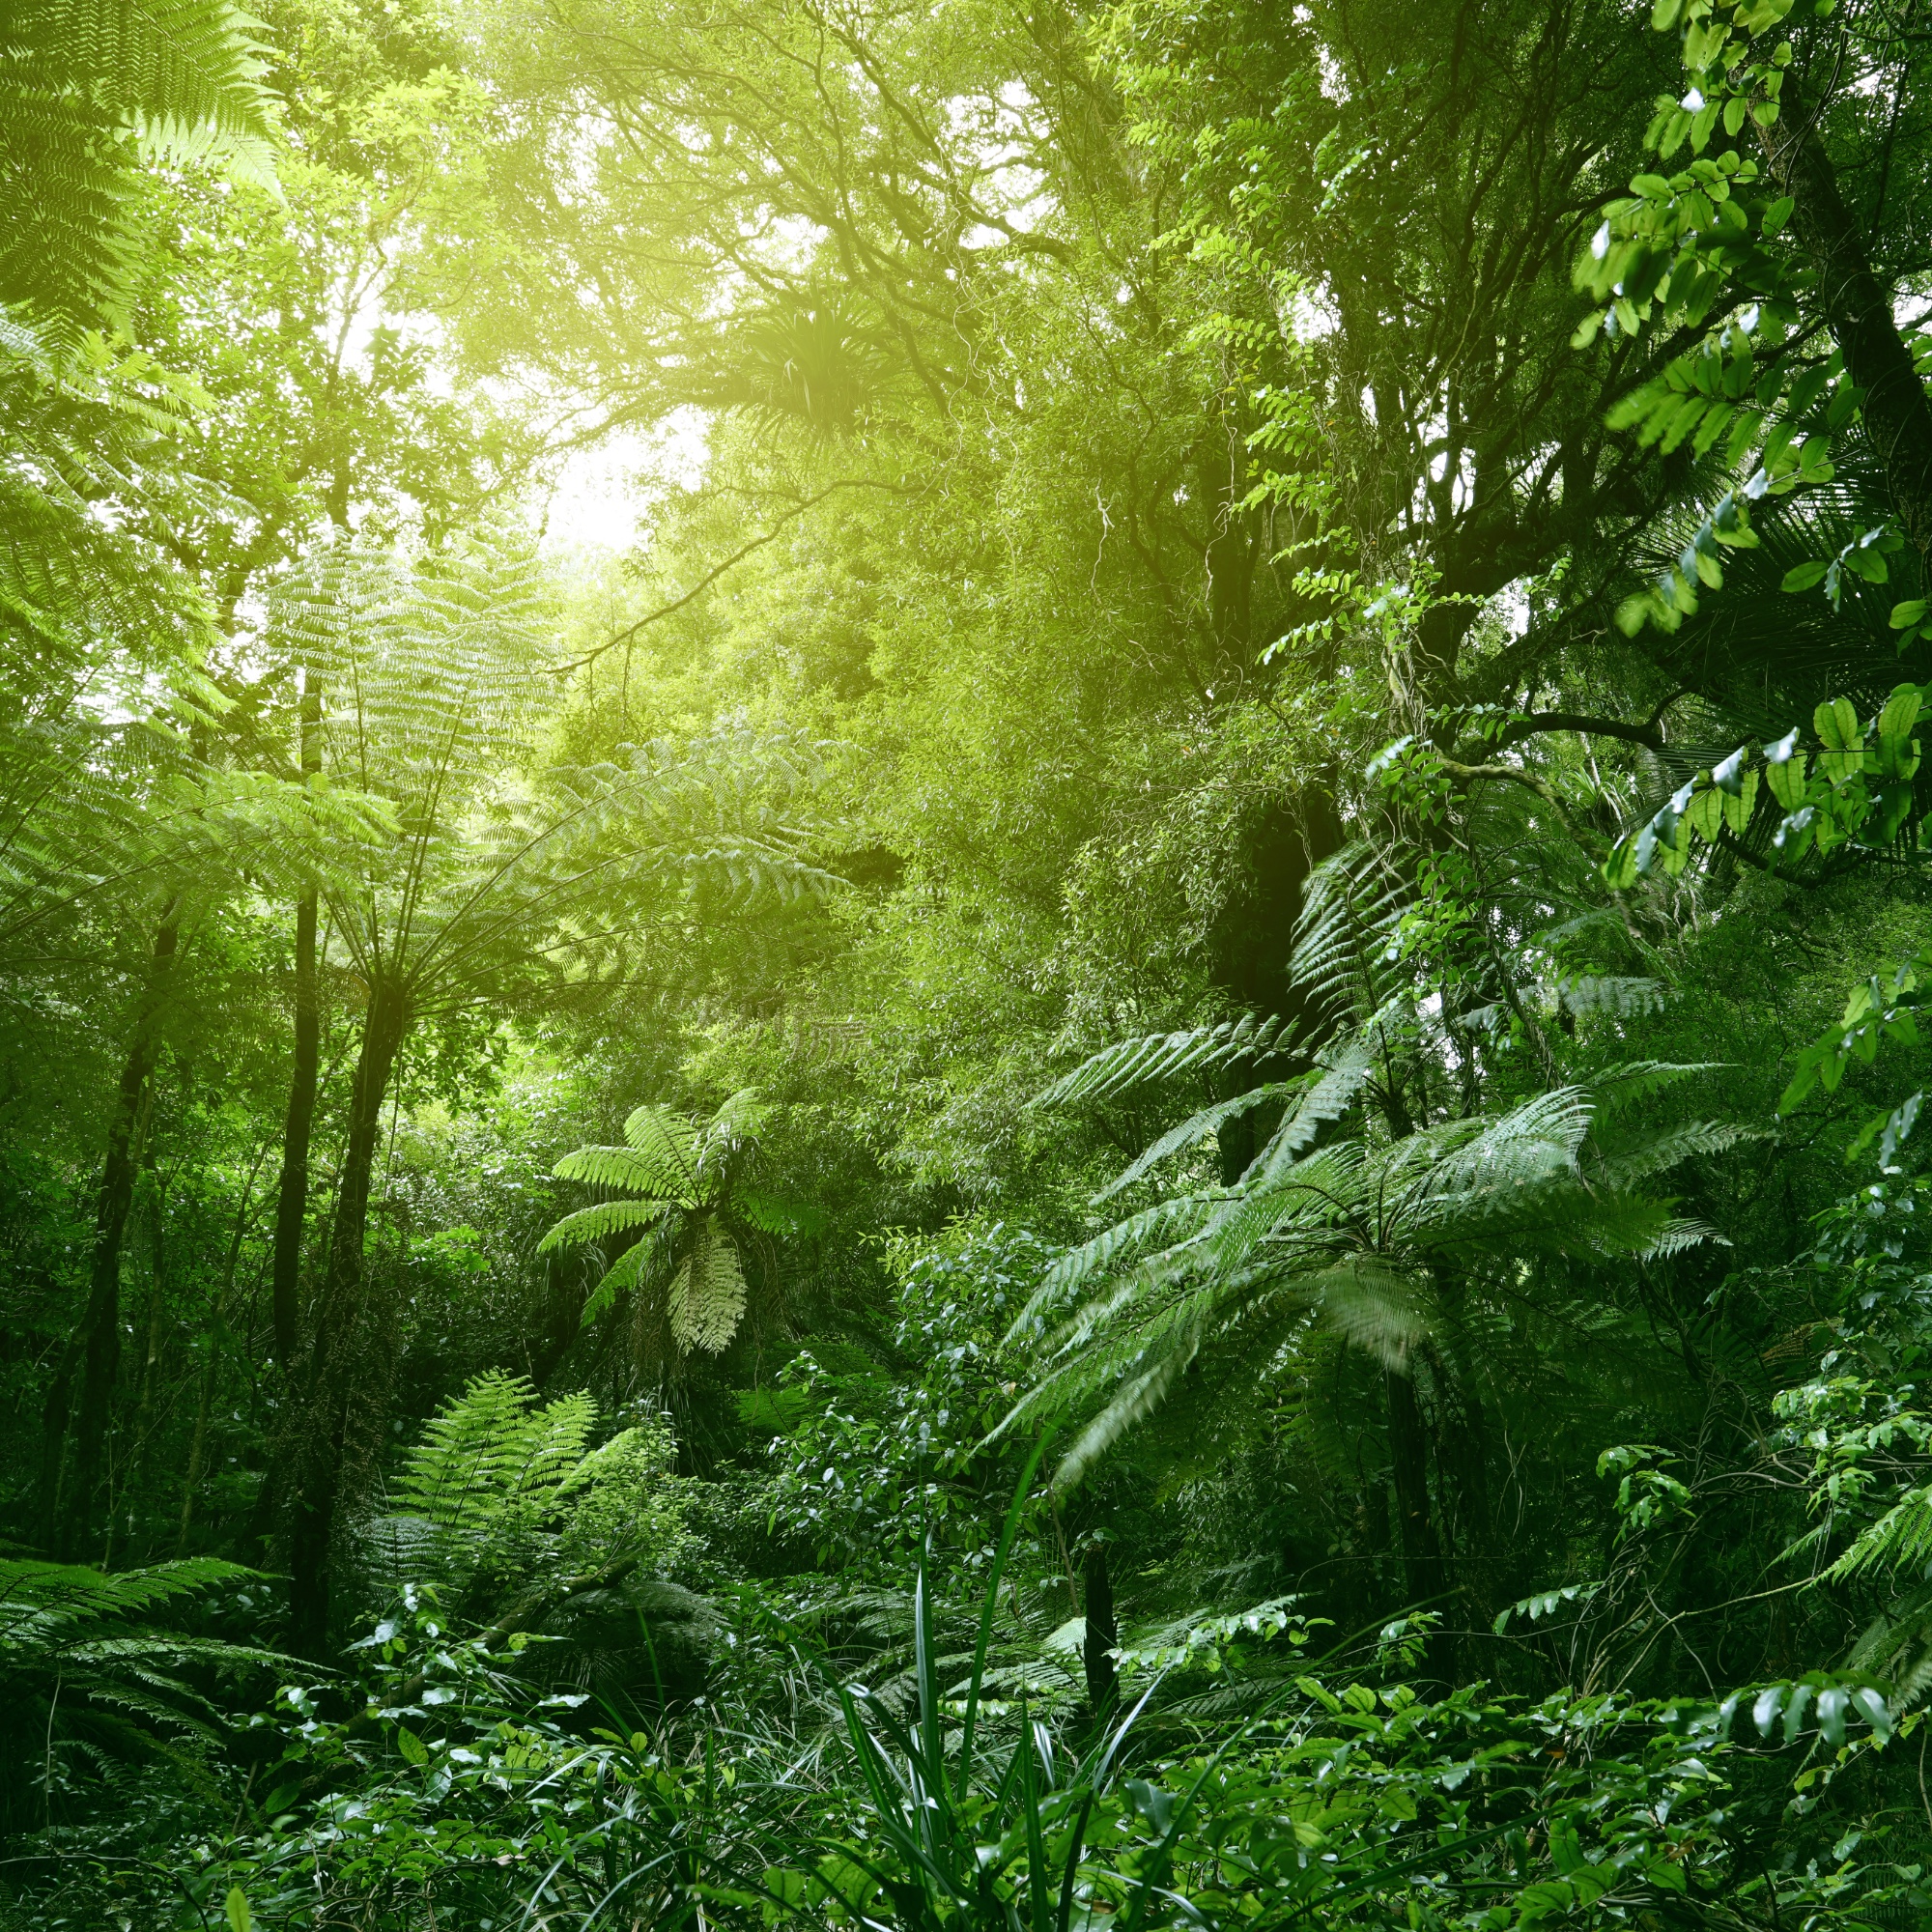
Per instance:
(331,1376)
(120,1481)
(204,1408)
(1421,1547)
(55,1413)
(292,1202)
(100,1326)
(1103,1636)
(1857,310)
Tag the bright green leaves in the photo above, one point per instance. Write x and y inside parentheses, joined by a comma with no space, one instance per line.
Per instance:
(1857,790)
(1908,619)
(1864,557)
(1876,1012)
(1673,247)
(1672,595)
(1820,1701)
(1647,1492)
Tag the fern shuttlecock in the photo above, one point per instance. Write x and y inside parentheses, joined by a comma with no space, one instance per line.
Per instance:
(684,1197)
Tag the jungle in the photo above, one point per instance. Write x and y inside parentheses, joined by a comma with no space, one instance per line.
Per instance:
(960,965)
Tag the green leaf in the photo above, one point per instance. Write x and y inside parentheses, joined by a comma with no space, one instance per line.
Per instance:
(236,1911)
(1805,576)
(1837,723)
(1832,1705)
(412,1747)
(1912,612)
(1776,216)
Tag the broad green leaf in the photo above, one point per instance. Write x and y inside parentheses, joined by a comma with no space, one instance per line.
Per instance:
(1786,779)
(1805,576)
(1837,723)
(1738,805)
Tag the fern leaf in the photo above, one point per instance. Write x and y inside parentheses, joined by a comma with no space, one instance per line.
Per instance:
(1327,1100)
(1152,1057)
(665,1139)
(1901,1539)
(622,1275)
(642,1173)
(605,1218)
(707,1293)
(1196,1128)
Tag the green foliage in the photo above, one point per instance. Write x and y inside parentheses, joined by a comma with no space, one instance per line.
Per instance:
(89,89)
(690,1176)
(96,1678)
(500,1494)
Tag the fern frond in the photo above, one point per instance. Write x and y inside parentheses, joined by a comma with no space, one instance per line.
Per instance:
(707,1293)
(1651,1157)
(1350,905)
(1165,1056)
(1195,1130)
(1624,1084)
(1078,1266)
(606,1217)
(86,86)
(1629,998)
(1333,1092)
(664,1138)
(1901,1539)
(625,1167)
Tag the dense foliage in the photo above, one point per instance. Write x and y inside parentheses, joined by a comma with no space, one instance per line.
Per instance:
(959,962)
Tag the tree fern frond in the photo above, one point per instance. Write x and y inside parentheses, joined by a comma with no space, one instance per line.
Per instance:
(1350,905)
(1326,1100)
(1373,1306)
(1651,1157)
(1152,1057)
(707,1293)
(606,1217)
(1129,1407)
(1901,1539)
(1077,1266)
(623,1167)
(665,1139)
(1629,998)
(1624,1084)
(86,86)
(1196,1128)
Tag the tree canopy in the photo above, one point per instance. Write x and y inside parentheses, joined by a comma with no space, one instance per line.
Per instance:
(959,963)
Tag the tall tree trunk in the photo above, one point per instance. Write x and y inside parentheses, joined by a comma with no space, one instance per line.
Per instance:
(292,1202)
(1857,310)
(101,1326)
(120,1479)
(1421,1547)
(331,1368)
(1103,1636)
(197,1456)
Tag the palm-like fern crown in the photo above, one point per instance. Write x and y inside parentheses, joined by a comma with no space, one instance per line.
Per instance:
(87,89)
(683,1180)
(497,1483)
(435,681)
(1348,1231)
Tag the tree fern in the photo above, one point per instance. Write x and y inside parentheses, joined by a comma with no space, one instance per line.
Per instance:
(685,1183)
(1349,1234)
(498,1487)
(87,89)
(1166,1056)
(94,1672)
